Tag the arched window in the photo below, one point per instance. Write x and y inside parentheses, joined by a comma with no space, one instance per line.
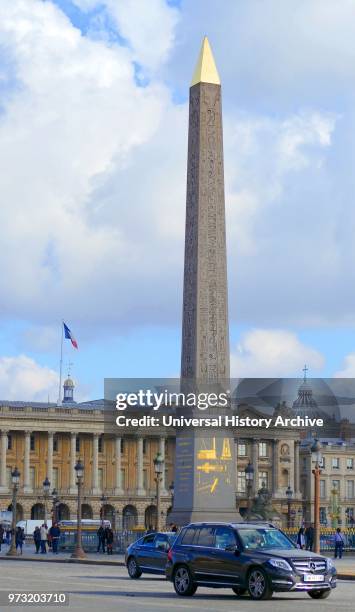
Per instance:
(86,511)
(129,517)
(37,512)
(150,517)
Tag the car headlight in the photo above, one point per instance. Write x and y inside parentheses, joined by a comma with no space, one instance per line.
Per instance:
(330,564)
(280,564)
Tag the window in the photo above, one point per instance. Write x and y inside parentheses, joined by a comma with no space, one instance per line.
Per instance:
(242,449)
(32,442)
(148,540)
(350,489)
(123,478)
(323,515)
(162,542)
(350,464)
(55,444)
(322,488)
(263,479)
(188,536)
(9,441)
(205,536)
(55,479)
(335,463)
(145,446)
(32,477)
(100,444)
(101,478)
(349,513)
(322,463)
(304,463)
(77,444)
(336,484)
(145,479)
(263,449)
(224,537)
(241,484)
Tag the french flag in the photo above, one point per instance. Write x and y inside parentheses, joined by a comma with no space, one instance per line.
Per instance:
(69,336)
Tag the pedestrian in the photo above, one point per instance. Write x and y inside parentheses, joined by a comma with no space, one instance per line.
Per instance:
(8,536)
(309,535)
(101,539)
(44,538)
(55,535)
(109,540)
(1,535)
(37,539)
(339,543)
(19,539)
(301,540)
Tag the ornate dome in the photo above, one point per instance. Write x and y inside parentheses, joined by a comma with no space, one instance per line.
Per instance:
(306,405)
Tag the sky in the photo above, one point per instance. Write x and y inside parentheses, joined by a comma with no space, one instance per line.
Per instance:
(93,147)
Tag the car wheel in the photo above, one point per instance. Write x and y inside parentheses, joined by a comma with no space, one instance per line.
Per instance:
(133,568)
(258,584)
(321,594)
(239,591)
(183,583)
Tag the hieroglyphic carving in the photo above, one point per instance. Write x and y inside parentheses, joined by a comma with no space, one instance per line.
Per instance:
(205,336)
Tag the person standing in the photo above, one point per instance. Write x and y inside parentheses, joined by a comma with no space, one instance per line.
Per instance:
(37,539)
(44,538)
(101,538)
(19,539)
(1,535)
(309,534)
(301,541)
(55,535)
(339,544)
(109,540)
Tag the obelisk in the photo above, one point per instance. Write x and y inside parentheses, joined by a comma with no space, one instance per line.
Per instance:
(205,472)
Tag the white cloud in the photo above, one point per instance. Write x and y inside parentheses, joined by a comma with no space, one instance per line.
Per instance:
(21,378)
(276,353)
(348,369)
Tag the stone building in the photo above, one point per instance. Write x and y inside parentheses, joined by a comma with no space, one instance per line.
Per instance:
(44,439)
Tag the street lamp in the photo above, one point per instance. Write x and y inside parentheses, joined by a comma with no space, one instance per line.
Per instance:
(249,477)
(46,487)
(78,552)
(317,460)
(15,477)
(103,500)
(289,494)
(55,500)
(158,468)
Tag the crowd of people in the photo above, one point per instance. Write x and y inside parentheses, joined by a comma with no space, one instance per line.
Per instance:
(305,540)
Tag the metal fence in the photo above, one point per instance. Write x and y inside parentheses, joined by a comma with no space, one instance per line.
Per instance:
(327,535)
(122,539)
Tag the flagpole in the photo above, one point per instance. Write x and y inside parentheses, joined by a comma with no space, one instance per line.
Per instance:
(60,367)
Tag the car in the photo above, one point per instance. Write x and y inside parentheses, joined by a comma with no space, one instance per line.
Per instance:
(257,558)
(148,554)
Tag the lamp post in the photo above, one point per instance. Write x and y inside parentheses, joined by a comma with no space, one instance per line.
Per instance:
(103,500)
(289,494)
(249,477)
(15,477)
(78,551)
(158,468)
(55,500)
(46,487)
(316,459)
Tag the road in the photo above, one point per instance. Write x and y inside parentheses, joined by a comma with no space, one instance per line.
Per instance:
(108,589)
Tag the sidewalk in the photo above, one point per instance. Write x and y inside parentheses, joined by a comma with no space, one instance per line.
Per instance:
(345,566)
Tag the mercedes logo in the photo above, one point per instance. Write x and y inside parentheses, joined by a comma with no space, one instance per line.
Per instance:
(312,565)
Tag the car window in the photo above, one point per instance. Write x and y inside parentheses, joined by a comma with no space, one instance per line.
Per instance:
(160,540)
(188,536)
(148,540)
(264,538)
(224,537)
(205,537)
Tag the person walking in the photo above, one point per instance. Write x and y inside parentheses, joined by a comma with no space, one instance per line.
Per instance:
(37,539)
(19,539)
(339,543)
(101,539)
(109,540)
(55,535)
(301,540)
(44,538)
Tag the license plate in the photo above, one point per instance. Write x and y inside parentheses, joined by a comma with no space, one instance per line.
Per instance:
(313,578)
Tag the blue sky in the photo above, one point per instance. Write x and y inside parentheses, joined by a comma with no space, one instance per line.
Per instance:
(93,141)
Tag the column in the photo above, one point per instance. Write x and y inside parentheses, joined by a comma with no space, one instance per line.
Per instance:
(163,490)
(255,462)
(26,464)
(95,464)
(275,468)
(3,451)
(118,467)
(140,489)
(297,492)
(50,457)
(72,480)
